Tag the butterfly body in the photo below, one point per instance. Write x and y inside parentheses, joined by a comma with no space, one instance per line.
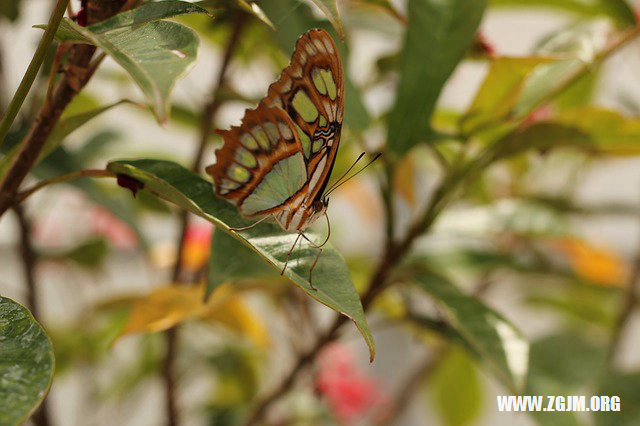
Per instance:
(278,161)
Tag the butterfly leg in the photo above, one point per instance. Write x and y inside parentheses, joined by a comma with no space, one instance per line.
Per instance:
(289,254)
(244,228)
(313,265)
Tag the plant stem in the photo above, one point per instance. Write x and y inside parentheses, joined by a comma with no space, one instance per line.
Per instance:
(32,70)
(62,178)
(206,125)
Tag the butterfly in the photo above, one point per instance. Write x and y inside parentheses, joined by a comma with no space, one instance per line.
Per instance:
(277,163)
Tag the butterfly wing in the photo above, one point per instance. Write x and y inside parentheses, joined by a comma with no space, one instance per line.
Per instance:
(279,160)
(261,165)
(311,91)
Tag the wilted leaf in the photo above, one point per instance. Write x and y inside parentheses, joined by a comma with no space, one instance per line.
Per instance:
(26,363)
(165,307)
(438,37)
(333,285)
(496,340)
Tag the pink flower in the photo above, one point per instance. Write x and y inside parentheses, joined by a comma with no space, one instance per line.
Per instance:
(349,392)
(116,231)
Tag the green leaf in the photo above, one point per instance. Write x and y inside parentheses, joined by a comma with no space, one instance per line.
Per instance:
(627,387)
(619,10)
(231,259)
(457,391)
(26,363)
(154,53)
(438,37)
(499,91)
(334,287)
(562,364)
(330,9)
(496,340)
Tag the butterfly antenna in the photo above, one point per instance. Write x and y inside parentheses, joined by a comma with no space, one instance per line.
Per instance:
(353,175)
(345,173)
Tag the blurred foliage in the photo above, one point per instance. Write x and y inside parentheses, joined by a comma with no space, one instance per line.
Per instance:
(493,189)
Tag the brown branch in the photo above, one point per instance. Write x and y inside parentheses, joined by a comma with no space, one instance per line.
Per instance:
(206,125)
(77,74)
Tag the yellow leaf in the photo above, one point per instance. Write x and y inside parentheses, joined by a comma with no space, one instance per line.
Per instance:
(165,307)
(596,264)
(229,309)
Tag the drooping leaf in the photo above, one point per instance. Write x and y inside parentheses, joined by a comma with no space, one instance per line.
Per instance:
(457,391)
(26,363)
(438,36)
(498,342)
(333,285)
(154,53)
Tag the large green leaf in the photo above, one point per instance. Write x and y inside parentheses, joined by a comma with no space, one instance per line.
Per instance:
(495,339)
(619,10)
(154,53)
(331,279)
(26,363)
(439,34)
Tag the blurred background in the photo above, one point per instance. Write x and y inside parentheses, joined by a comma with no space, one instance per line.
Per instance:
(549,238)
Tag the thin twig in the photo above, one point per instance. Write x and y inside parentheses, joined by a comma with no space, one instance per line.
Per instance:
(629,303)
(206,125)
(32,71)
(98,173)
